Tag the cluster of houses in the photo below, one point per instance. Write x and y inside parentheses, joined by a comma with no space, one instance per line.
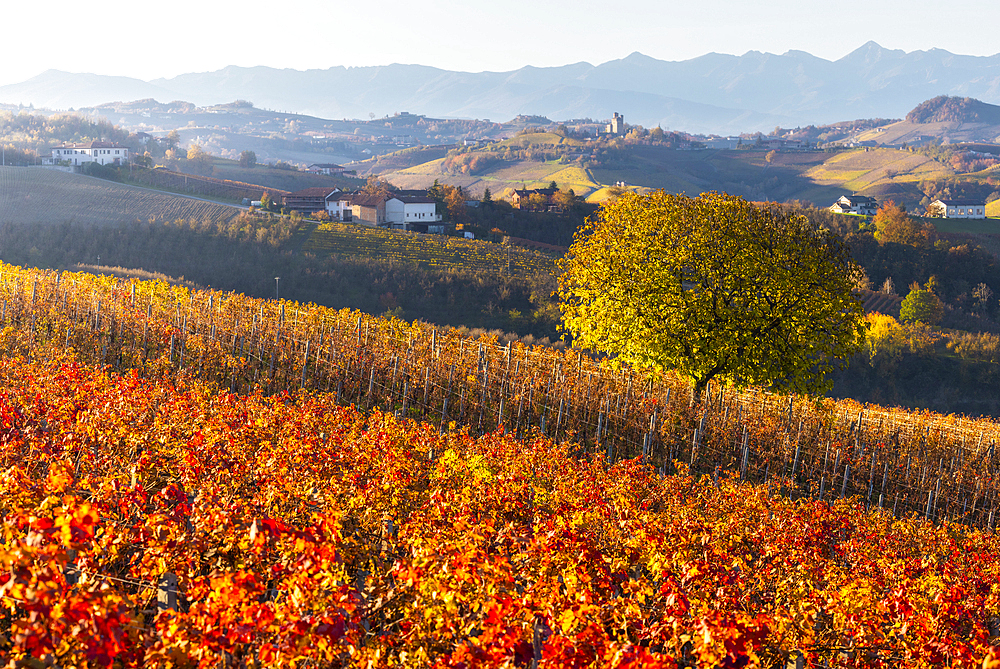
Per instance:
(399,210)
(867,206)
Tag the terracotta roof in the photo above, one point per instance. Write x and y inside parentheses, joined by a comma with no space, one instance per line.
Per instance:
(368,199)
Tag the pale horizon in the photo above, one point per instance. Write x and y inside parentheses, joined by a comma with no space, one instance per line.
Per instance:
(165,41)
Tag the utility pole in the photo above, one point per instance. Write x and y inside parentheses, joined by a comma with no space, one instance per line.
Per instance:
(276,287)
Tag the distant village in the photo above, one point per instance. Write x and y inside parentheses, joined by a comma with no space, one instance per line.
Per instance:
(415,211)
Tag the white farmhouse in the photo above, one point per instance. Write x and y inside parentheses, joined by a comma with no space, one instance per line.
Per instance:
(338,206)
(855,204)
(413,212)
(957,209)
(103,153)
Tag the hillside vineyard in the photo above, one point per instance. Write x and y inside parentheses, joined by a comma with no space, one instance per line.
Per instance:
(163,523)
(940,467)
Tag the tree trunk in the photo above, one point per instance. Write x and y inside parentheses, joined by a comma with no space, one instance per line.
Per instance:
(698,390)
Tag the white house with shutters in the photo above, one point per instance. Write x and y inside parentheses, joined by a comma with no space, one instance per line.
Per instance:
(338,206)
(957,209)
(103,153)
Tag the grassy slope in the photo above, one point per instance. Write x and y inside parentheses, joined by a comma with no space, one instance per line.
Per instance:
(37,195)
(967,226)
(401,160)
(860,168)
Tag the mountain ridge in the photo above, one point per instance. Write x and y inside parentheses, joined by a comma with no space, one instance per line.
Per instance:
(750,92)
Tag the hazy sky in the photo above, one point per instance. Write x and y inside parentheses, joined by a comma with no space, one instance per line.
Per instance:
(164,39)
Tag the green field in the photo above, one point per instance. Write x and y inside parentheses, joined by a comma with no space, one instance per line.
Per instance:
(430,251)
(989,226)
(39,195)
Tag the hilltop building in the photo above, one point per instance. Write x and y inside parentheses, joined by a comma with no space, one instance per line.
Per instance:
(957,209)
(855,204)
(617,125)
(103,153)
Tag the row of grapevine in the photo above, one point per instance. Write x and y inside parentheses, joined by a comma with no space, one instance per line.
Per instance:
(939,466)
(33,194)
(201,185)
(167,523)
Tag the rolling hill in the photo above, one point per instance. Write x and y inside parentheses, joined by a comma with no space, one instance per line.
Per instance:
(813,176)
(879,172)
(948,119)
(38,195)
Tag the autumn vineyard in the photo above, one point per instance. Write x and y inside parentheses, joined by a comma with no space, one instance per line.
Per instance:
(201,479)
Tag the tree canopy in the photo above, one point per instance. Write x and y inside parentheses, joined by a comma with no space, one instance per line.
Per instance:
(714,287)
(248,159)
(921,306)
(893,224)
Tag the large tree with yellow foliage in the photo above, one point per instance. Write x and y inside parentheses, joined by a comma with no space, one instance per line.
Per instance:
(715,287)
